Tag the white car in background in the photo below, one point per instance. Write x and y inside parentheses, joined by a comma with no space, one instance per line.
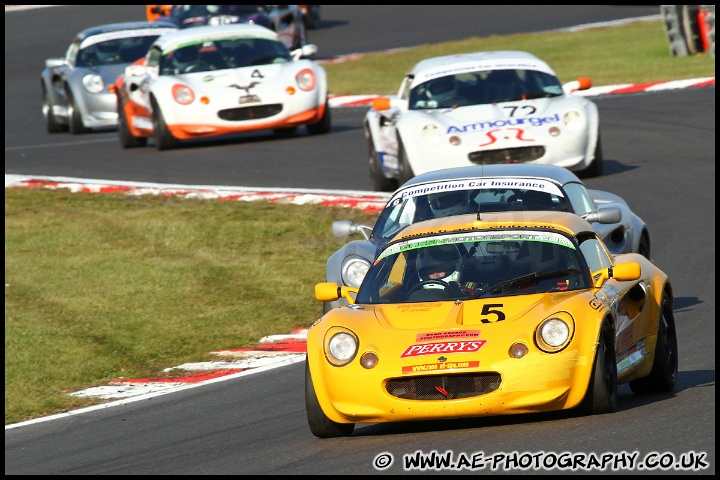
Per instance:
(481,108)
(210,81)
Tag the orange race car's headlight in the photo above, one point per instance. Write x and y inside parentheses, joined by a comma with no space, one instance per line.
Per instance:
(306,79)
(554,333)
(341,346)
(183,94)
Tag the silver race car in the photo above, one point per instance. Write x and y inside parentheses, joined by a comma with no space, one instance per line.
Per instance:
(483,189)
(478,109)
(75,88)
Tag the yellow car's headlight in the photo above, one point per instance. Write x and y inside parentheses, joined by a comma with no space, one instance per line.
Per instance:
(554,333)
(341,346)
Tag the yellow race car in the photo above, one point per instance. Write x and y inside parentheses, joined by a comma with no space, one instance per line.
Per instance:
(490,314)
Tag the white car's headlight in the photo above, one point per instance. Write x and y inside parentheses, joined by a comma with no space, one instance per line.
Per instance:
(554,333)
(305,79)
(353,271)
(93,83)
(575,120)
(431,133)
(183,94)
(341,346)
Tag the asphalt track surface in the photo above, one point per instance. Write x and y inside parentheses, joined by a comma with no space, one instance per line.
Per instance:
(660,152)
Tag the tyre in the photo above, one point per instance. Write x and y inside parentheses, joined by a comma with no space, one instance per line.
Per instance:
(326,307)
(380,182)
(602,395)
(164,140)
(596,166)
(75,123)
(663,376)
(51,122)
(323,126)
(688,16)
(320,425)
(644,246)
(127,140)
(406,171)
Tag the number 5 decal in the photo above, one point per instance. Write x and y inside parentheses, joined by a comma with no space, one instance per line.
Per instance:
(489,309)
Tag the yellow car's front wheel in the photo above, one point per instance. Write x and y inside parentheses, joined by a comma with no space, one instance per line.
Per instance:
(602,394)
(320,425)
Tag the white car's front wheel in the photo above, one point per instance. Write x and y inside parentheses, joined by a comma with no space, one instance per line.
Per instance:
(127,140)
(51,122)
(380,182)
(75,123)
(596,166)
(164,140)
(406,171)
(323,126)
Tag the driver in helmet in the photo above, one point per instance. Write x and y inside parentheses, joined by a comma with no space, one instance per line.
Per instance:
(107,52)
(441,267)
(445,204)
(441,89)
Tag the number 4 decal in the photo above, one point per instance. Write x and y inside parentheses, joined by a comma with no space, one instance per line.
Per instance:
(489,309)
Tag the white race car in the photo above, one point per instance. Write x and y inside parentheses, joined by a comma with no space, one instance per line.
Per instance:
(478,109)
(217,80)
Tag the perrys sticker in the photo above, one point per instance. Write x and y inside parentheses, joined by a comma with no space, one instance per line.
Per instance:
(443,347)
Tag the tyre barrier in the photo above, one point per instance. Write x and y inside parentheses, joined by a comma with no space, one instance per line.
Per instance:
(706,23)
(690,29)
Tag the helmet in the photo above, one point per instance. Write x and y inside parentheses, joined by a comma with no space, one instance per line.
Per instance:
(440,262)
(186,54)
(536,200)
(107,51)
(441,88)
(503,76)
(504,85)
(449,203)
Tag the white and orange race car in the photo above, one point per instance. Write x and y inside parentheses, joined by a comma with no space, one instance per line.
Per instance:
(212,81)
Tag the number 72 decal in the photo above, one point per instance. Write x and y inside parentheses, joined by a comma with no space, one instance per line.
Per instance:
(514,110)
